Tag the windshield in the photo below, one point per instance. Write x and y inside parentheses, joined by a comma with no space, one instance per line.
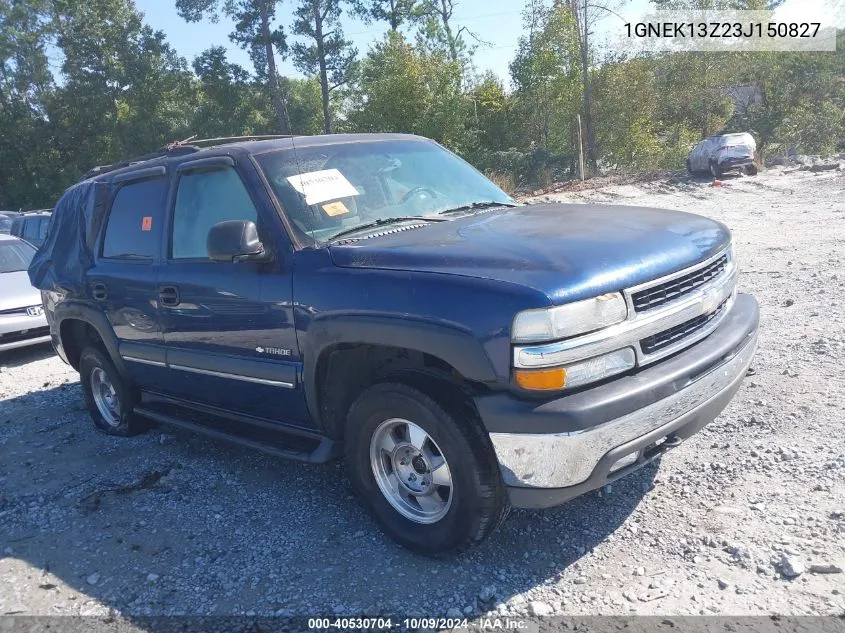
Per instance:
(5,224)
(330,189)
(15,256)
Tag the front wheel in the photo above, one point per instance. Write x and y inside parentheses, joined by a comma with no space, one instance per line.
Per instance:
(430,478)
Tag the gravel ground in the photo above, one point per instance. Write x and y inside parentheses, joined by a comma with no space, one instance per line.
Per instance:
(747,517)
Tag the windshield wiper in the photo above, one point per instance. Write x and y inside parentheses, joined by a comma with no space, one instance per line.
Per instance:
(382,221)
(485,204)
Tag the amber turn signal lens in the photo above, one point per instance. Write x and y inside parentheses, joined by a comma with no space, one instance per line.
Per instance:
(541,380)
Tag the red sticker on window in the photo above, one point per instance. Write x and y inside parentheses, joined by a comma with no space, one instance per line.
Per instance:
(147,223)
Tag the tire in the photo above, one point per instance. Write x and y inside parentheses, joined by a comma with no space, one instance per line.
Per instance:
(714,170)
(460,515)
(751,170)
(102,385)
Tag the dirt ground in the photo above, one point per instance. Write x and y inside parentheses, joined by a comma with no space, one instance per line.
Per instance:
(747,517)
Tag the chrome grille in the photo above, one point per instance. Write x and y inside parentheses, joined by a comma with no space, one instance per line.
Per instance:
(664,339)
(655,296)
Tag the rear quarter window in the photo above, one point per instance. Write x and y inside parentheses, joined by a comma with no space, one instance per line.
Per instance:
(133,226)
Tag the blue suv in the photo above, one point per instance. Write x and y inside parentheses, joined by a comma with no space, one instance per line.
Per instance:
(374,297)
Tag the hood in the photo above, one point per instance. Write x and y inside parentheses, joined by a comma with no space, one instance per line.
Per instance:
(567,251)
(17,292)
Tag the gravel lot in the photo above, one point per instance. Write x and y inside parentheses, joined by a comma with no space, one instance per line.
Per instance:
(747,517)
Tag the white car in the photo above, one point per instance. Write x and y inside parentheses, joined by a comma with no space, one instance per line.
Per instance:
(22,320)
(722,153)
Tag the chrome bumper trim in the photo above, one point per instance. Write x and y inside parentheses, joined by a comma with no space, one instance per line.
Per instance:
(567,459)
(25,343)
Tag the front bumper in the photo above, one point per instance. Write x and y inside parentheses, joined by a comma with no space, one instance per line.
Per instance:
(574,444)
(22,330)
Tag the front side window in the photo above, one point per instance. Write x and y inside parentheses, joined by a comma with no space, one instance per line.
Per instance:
(329,189)
(133,228)
(203,199)
(43,227)
(15,256)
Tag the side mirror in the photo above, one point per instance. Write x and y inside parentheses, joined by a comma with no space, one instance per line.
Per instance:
(235,241)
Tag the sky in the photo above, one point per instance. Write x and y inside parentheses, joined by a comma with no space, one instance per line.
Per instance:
(498,22)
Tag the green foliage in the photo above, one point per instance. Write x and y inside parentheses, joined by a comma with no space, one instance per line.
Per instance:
(546,76)
(111,88)
(407,88)
(325,52)
(394,12)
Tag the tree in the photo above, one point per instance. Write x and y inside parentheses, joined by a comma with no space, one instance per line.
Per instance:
(27,156)
(627,114)
(304,105)
(408,88)
(546,75)
(327,53)
(230,102)
(394,12)
(439,31)
(254,31)
(586,14)
(801,99)
(490,122)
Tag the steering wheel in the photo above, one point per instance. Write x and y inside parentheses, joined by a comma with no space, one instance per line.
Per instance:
(416,191)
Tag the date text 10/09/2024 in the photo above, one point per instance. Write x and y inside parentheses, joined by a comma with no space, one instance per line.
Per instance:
(374,624)
(718,30)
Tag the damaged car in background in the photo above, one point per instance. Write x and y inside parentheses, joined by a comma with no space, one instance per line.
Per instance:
(722,153)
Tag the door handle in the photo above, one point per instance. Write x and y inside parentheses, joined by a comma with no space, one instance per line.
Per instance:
(168,295)
(99,291)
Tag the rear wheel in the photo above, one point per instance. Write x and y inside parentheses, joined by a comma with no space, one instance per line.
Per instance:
(714,170)
(751,170)
(109,397)
(430,478)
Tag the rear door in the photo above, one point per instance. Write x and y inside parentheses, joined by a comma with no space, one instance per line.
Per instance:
(229,331)
(123,281)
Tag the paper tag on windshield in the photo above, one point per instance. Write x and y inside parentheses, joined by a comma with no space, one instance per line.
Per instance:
(333,209)
(320,186)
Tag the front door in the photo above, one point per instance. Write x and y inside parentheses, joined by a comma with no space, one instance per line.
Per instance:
(123,280)
(228,327)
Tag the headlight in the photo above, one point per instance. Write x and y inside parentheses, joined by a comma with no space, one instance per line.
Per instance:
(580,317)
(578,373)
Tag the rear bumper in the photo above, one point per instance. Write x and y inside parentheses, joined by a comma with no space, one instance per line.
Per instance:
(585,435)
(731,163)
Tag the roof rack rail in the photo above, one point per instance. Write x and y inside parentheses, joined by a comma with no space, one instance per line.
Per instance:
(174,148)
(188,146)
(222,140)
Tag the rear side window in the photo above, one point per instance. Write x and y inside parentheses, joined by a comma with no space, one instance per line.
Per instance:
(203,199)
(133,228)
(30,228)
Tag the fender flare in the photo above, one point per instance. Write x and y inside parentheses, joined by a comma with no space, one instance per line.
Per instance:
(95,318)
(452,345)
